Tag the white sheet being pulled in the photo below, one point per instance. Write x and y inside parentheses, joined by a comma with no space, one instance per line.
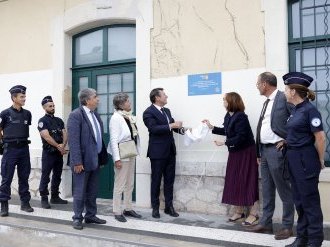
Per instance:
(196,134)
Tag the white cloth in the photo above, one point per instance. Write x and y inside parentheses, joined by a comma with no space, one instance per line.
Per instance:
(119,132)
(266,133)
(196,134)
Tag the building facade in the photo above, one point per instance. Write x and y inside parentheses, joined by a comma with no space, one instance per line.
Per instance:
(58,47)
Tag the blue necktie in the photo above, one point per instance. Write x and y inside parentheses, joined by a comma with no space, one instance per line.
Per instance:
(98,134)
(164,113)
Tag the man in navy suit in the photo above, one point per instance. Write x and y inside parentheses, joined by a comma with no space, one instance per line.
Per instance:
(161,150)
(85,130)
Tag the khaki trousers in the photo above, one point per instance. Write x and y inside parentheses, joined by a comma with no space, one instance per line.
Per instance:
(124,183)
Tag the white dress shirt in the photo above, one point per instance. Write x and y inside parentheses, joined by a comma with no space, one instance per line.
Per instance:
(266,133)
(90,117)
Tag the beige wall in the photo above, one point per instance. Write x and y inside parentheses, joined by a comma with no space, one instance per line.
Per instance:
(194,36)
(25,28)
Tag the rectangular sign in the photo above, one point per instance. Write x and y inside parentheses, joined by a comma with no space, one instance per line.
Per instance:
(204,84)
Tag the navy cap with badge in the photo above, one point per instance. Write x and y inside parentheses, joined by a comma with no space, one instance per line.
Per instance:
(17,89)
(297,78)
(46,99)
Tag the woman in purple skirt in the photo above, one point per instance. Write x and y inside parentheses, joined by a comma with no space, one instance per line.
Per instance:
(241,182)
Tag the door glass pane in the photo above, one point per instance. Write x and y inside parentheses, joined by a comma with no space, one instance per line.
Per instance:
(83,82)
(121,44)
(132,100)
(114,83)
(308,22)
(295,20)
(89,48)
(309,57)
(111,108)
(320,19)
(104,119)
(102,83)
(103,104)
(298,65)
(128,82)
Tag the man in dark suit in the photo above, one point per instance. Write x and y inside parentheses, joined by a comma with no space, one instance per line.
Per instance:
(85,130)
(161,150)
(271,134)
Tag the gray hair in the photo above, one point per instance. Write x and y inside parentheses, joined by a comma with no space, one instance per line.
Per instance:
(119,100)
(85,94)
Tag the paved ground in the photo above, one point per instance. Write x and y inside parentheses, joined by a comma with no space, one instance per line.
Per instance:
(53,228)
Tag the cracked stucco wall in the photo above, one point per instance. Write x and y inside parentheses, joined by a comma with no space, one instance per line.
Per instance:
(193,36)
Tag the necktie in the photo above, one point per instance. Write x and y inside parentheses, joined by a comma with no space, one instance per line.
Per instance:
(98,134)
(164,113)
(259,125)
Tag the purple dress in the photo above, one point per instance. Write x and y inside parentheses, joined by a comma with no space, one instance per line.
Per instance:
(241,182)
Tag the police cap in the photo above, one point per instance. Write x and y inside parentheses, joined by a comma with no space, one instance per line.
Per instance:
(297,78)
(17,89)
(46,100)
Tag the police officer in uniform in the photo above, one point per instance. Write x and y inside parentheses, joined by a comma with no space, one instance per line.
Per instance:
(14,133)
(54,140)
(305,154)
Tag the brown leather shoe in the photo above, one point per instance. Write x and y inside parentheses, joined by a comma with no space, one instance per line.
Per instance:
(260,229)
(284,233)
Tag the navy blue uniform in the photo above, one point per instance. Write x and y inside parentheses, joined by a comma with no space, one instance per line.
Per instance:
(15,126)
(305,167)
(52,159)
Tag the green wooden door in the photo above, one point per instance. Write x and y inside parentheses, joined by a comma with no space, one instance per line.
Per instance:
(107,82)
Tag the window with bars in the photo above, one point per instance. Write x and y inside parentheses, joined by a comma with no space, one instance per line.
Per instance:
(309,51)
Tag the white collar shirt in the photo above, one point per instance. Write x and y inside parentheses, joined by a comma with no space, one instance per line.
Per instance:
(89,115)
(266,133)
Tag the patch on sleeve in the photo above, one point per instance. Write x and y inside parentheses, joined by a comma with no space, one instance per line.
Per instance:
(41,124)
(0,119)
(316,122)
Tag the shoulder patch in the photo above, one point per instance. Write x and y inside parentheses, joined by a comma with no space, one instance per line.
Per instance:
(0,119)
(41,124)
(316,122)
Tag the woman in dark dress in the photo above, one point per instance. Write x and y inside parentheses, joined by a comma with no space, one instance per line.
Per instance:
(241,182)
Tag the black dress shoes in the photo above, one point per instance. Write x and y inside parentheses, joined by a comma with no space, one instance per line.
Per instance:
(95,220)
(170,211)
(132,213)
(299,242)
(77,224)
(120,218)
(155,213)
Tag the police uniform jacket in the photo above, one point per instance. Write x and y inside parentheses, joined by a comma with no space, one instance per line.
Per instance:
(55,126)
(15,124)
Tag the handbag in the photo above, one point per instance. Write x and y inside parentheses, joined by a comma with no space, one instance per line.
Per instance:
(127,149)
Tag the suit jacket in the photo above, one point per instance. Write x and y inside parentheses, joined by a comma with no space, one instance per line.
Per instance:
(161,141)
(237,130)
(279,115)
(82,140)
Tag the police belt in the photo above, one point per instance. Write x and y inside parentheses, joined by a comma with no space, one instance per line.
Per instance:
(16,143)
(299,148)
(267,145)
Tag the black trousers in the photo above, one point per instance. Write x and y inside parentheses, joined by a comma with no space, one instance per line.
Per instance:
(50,162)
(304,166)
(162,168)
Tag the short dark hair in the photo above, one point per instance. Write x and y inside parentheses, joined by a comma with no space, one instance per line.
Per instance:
(155,92)
(235,102)
(269,78)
